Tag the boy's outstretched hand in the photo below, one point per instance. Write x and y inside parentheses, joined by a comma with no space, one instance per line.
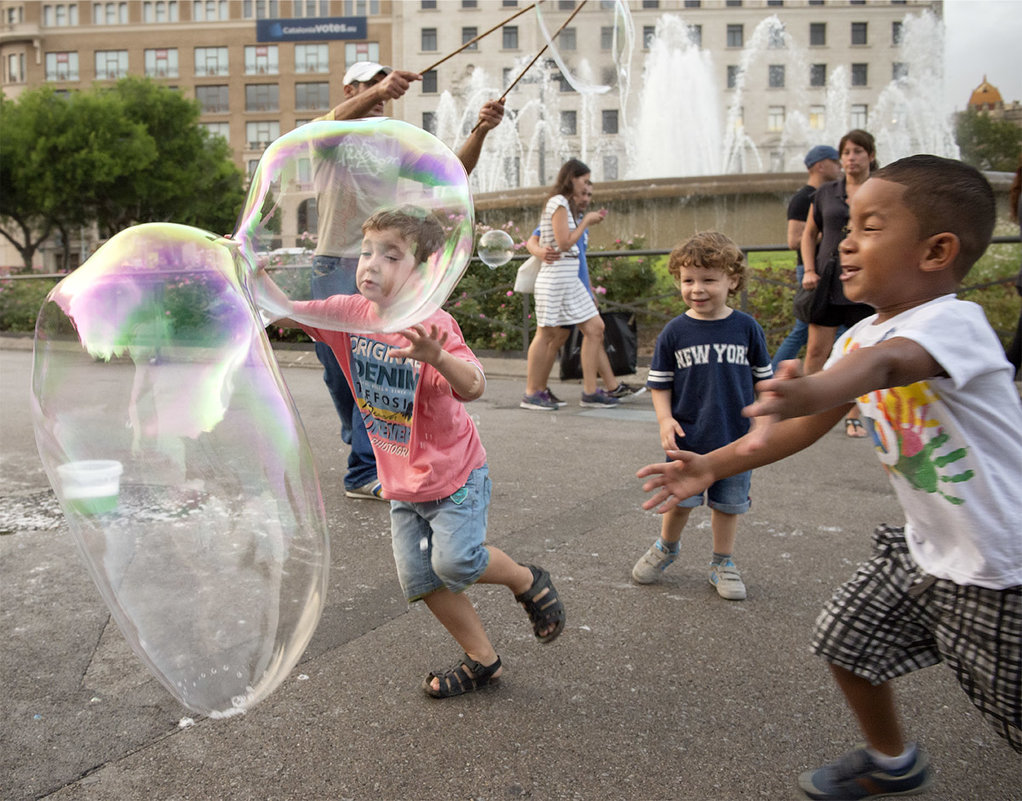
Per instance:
(775,400)
(687,475)
(422,346)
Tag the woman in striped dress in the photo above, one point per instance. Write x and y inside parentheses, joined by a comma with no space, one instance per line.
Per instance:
(561,297)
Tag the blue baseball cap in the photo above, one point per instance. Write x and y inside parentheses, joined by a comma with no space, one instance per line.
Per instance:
(821,153)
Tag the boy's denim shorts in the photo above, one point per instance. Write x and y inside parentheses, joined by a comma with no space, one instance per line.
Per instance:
(440,543)
(729,495)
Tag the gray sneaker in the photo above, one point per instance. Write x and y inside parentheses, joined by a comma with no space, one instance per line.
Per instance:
(373,491)
(598,399)
(728,581)
(539,402)
(651,566)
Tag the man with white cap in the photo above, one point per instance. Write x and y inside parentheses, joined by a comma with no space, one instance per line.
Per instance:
(823,164)
(367,87)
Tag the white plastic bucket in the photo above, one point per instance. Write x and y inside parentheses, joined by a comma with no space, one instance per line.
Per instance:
(91,486)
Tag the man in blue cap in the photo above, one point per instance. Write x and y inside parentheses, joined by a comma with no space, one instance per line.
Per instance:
(823,164)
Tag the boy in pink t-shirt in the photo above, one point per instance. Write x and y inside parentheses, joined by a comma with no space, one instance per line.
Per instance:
(411,387)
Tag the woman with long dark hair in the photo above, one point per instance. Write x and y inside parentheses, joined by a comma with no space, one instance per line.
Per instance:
(561,297)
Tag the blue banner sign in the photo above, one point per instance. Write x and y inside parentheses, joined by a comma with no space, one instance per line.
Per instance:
(310,28)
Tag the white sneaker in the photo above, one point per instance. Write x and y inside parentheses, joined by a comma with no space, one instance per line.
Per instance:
(651,566)
(728,581)
(373,491)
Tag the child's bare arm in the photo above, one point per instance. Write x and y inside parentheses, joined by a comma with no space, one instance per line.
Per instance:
(464,377)
(691,473)
(895,362)
(669,427)
(272,300)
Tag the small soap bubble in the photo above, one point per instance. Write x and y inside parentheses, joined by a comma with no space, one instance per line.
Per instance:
(496,247)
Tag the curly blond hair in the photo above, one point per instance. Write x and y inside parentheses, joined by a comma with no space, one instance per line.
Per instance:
(710,250)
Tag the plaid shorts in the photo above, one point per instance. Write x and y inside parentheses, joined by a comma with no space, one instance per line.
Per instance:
(892,618)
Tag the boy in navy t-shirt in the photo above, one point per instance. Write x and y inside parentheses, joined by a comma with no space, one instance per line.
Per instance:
(704,368)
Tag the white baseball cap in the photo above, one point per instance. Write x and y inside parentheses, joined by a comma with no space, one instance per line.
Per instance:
(362,71)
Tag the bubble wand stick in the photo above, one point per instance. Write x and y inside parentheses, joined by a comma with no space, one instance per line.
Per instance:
(535,58)
(477,38)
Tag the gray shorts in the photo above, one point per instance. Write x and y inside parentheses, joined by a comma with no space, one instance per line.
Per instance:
(891,619)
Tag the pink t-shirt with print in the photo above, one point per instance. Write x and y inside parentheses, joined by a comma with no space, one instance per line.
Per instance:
(425,442)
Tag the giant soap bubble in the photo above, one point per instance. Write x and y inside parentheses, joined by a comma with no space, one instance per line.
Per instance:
(553,18)
(178,458)
(312,191)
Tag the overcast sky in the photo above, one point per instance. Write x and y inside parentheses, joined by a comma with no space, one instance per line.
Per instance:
(982,37)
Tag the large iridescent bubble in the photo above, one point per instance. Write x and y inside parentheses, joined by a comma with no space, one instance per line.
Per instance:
(315,187)
(178,458)
(577,71)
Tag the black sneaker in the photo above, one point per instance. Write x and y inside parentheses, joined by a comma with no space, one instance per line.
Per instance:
(856,775)
(623,390)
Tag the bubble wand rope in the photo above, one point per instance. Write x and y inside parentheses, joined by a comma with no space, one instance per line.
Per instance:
(535,58)
(477,38)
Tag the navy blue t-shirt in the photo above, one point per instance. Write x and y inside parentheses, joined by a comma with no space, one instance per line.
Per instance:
(710,368)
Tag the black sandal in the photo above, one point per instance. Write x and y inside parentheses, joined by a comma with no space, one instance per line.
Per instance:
(465,677)
(546,611)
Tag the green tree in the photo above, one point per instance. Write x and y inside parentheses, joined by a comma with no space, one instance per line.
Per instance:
(987,143)
(117,156)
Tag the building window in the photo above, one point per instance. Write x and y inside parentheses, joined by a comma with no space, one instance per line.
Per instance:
(565,5)
(62,66)
(817,74)
(608,76)
(651,3)
(210,10)
(429,122)
(359,8)
(509,37)
(428,40)
(14,68)
(693,3)
(221,129)
(161,11)
(467,35)
(264,60)
(817,118)
(311,58)
(735,36)
(775,118)
(60,15)
(211,61)
(569,123)
(213,99)
(606,37)
(733,3)
(109,13)
(427,5)
(262,97)
(775,76)
(610,168)
(609,121)
(111,65)
(312,8)
(567,39)
(161,62)
(896,32)
(470,4)
(312,96)
(263,9)
(361,51)
(860,74)
(648,34)
(775,2)
(695,35)
(732,76)
(429,83)
(260,134)
(859,115)
(776,38)
(563,85)
(899,70)
(859,33)
(817,34)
